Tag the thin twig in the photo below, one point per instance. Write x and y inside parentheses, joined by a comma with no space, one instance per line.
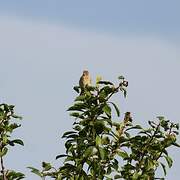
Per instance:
(3,169)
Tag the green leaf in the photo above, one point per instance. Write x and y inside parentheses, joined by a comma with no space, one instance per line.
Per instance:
(3,151)
(135,176)
(121,77)
(99,127)
(77,128)
(12,175)
(148,132)
(127,134)
(11,107)
(107,110)
(17,141)
(68,133)
(76,88)
(176,132)
(123,154)
(176,144)
(4,140)
(134,127)
(108,178)
(108,90)
(98,140)
(124,91)
(13,126)
(117,176)
(169,161)
(103,153)
(109,170)
(89,151)
(105,140)
(102,95)
(161,118)
(164,168)
(90,88)
(165,152)
(150,164)
(116,124)
(60,156)
(6,107)
(67,166)
(46,166)
(109,121)
(80,98)
(35,171)
(77,107)
(73,136)
(116,108)
(74,114)
(105,82)
(16,116)
(115,164)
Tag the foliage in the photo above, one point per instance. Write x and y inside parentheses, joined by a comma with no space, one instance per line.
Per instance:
(100,148)
(7,126)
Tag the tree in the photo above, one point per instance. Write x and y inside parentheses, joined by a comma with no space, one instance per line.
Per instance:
(100,148)
(7,126)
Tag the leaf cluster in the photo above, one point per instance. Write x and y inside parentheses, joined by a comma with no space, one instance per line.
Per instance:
(99,147)
(7,126)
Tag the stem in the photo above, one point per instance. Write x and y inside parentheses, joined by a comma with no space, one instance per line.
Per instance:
(146,146)
(141,161)
(170,130)
(1,159)
(3,169)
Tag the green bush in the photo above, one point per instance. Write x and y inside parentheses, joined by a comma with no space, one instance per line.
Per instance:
(99,148)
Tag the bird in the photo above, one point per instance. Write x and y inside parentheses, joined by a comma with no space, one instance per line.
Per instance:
(127,118)
(85,80)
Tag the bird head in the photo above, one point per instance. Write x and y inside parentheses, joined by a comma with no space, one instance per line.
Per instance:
(85,73)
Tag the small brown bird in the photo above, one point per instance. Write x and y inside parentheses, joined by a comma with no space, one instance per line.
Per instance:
(127,118)
(85,80)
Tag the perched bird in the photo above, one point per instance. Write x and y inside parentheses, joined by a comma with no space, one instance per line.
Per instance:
(127,118)
(85,80)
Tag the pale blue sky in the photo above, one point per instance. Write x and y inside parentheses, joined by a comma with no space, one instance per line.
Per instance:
(45,45)
(155,17)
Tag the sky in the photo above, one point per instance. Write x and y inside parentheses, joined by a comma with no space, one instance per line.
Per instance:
(46,44)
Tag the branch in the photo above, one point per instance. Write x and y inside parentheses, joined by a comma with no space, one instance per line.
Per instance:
(3,168)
